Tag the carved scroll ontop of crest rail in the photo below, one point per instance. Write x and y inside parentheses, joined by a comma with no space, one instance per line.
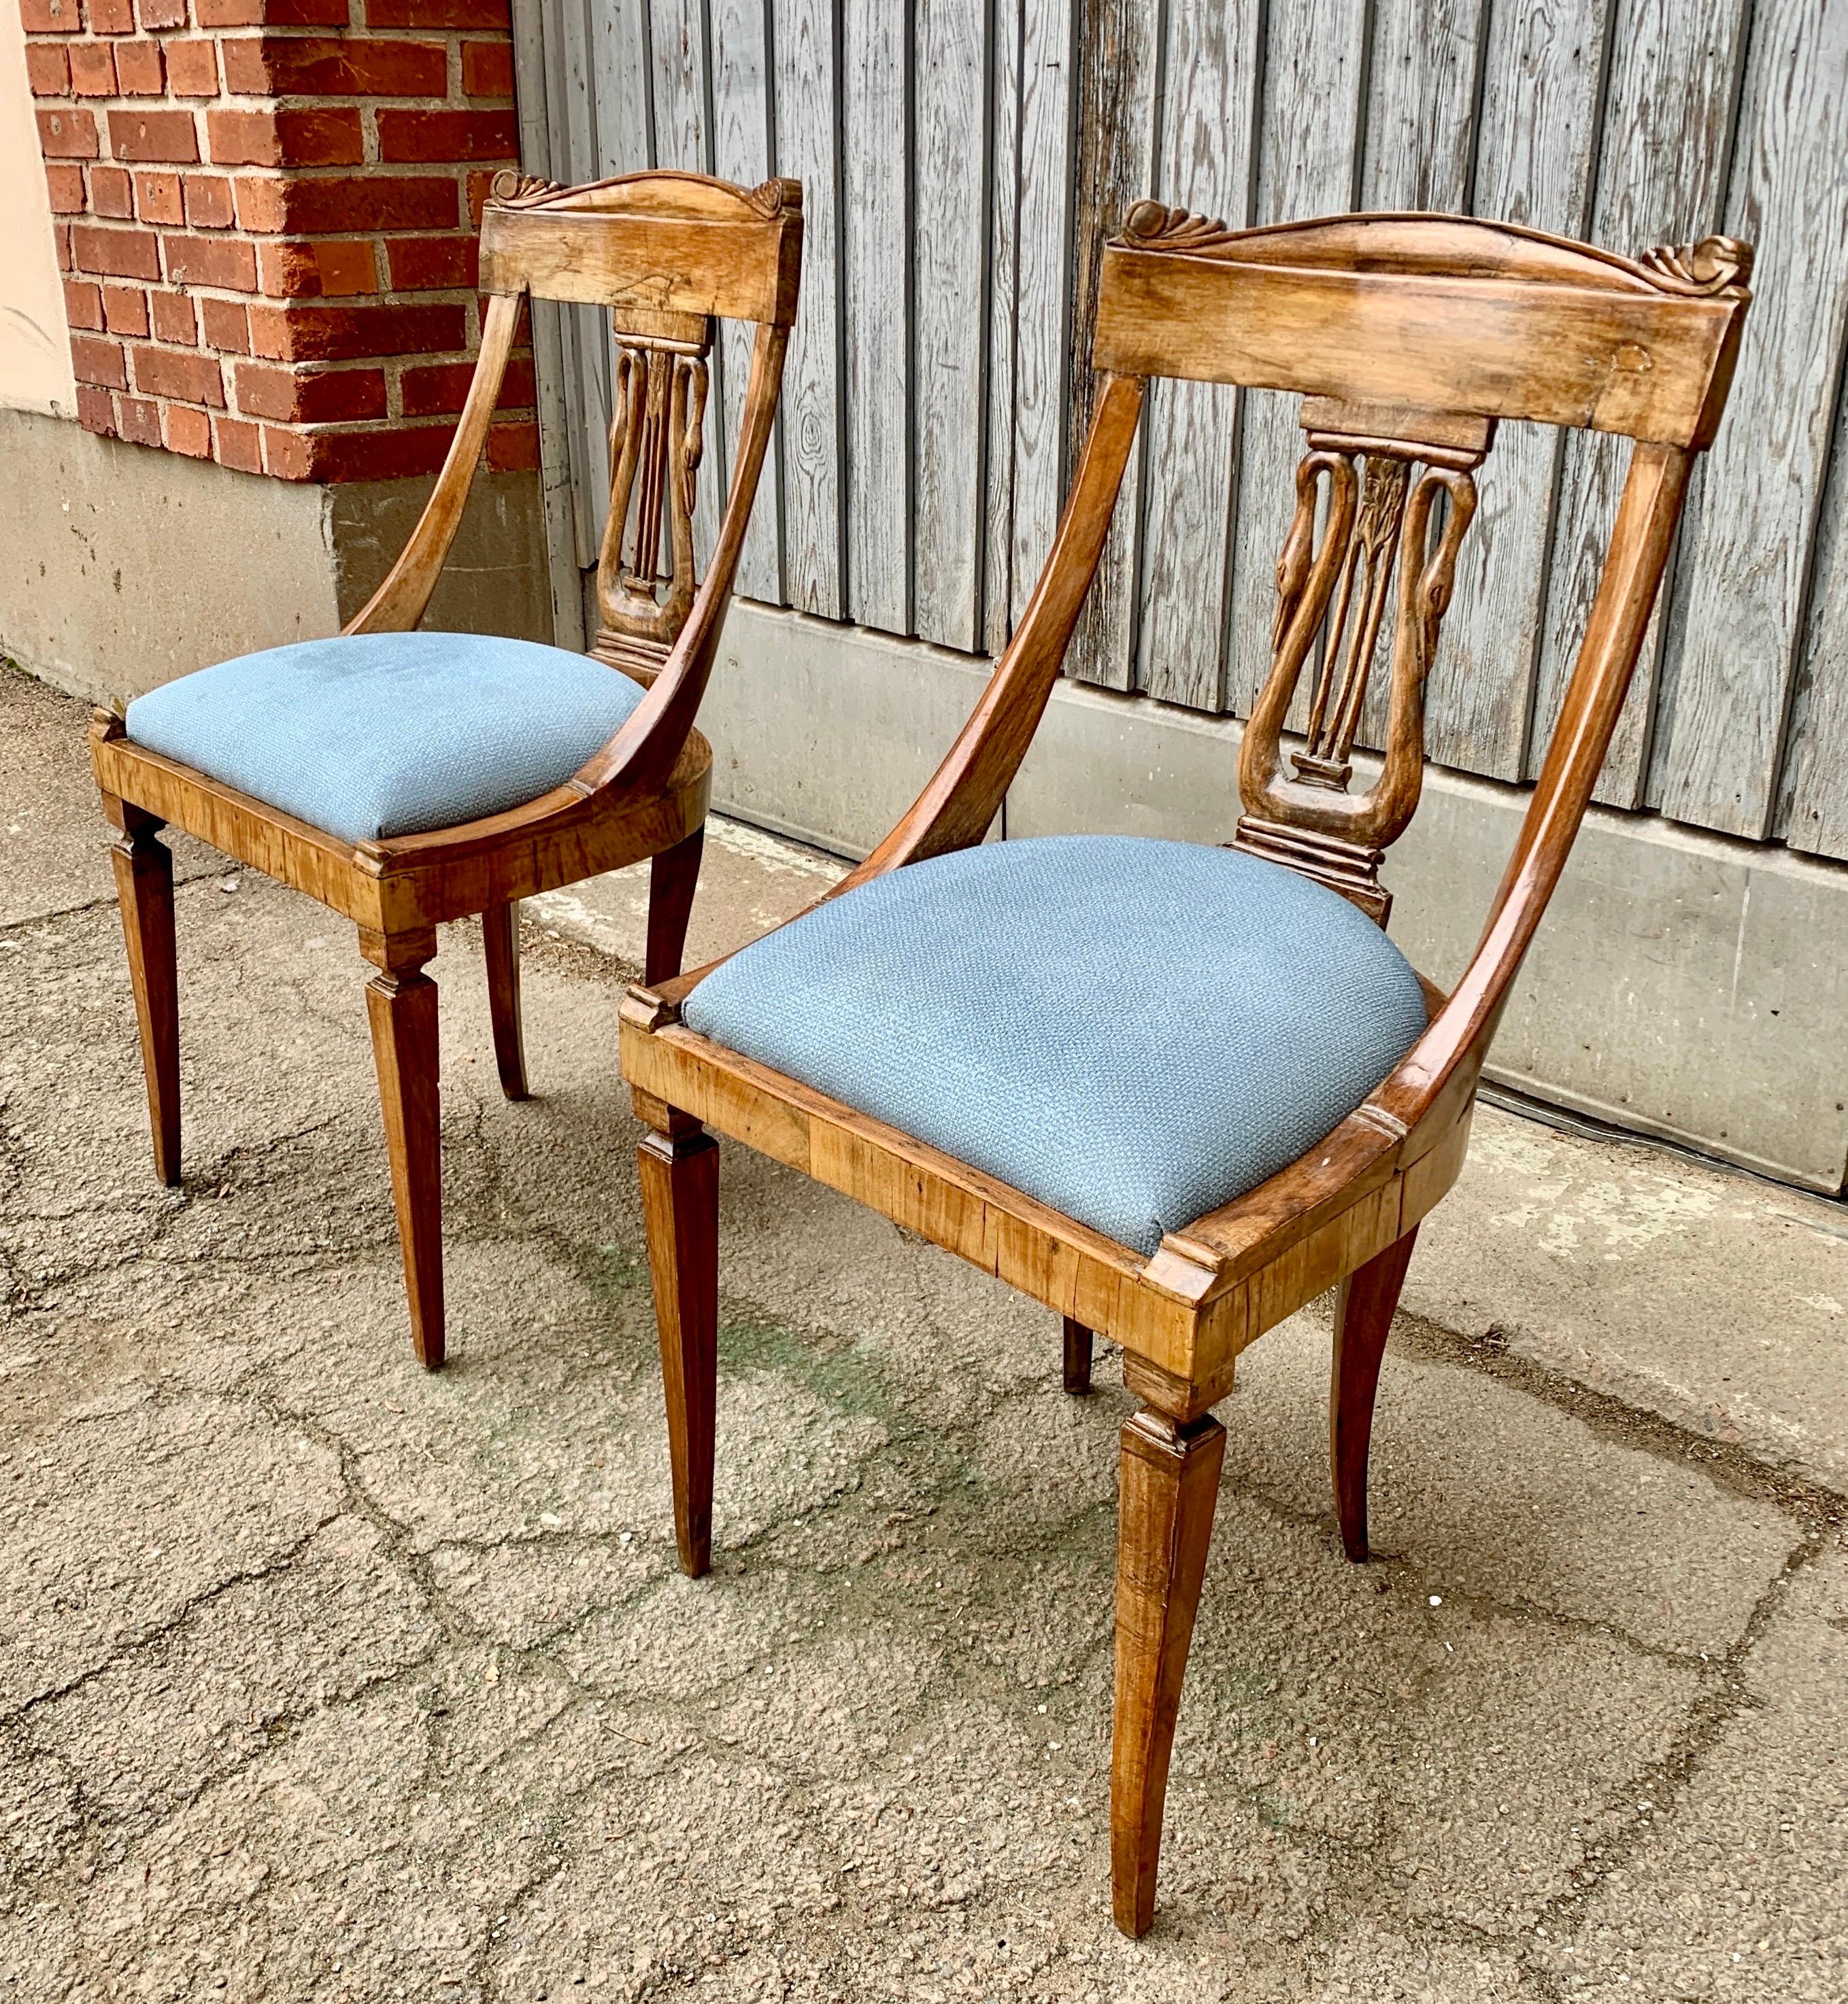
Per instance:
(1390,508)
(1715,264)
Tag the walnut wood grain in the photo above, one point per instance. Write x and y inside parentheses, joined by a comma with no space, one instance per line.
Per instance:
(1169,1489)
(500,945)
(674,877)
(1430,312)
(659,243)
(1375,479)
(400,1003)
(1363,1313)
(419,879)
(144,882)
(680,1202)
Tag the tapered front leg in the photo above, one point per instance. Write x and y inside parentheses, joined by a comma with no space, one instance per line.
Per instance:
(401,1000)
(1170,1484)
(1077,1357)
(144,883)
(501,938)
(1363,1313)
(673,877)
(679,1165)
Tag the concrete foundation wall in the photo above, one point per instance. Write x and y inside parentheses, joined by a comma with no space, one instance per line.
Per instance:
(1683,985)
(121,567)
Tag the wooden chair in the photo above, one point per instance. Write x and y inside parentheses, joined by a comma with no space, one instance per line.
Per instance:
(1409,337)
(406,779)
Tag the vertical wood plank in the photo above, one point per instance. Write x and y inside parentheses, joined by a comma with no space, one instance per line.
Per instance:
(677,49)
(1543,67)
(555,474)
(1661,179)
(620,77)
(1420,113)
(622,136)
(1118,64)
(808,70)
(950,257)
(584,331)
(743,151)
(1815,813)
(1007,24)
(1205,163)
(1315,66)
(683,139)
(1419,148)
(877,216)
(1746,556)
(1042,320)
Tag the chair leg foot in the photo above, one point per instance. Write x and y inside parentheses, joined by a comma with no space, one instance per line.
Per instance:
(501,938)
(144,883)
(1363,1313)
(1077,1357)
(1170,1485)
(673,877)
(400,1001)
(680,1203)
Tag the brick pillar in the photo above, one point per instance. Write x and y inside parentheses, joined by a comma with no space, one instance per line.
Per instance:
(265,212)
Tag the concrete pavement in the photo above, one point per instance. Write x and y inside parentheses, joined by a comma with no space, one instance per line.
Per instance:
(321,1677)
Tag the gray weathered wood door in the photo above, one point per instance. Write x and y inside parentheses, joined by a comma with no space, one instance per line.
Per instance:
(962,159)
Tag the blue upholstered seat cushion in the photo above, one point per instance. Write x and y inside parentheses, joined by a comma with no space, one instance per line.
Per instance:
(1132,1031)
(389,733)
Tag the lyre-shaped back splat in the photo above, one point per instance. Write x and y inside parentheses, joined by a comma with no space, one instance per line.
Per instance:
(1377,477)
(657,440)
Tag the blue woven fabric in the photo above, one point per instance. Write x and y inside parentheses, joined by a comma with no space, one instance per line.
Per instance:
(389,733)
(1133,1032)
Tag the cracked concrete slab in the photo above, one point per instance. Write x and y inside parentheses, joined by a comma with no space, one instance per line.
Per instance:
(1733,1888)
(324,1678)
(1712,1297)
(51,859)
(1466,1478)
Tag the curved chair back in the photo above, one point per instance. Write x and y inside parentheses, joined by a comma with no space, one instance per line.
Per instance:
(1430,313)
(1409,338)
(668,254)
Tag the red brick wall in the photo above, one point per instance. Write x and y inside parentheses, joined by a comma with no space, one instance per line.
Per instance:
(265,212)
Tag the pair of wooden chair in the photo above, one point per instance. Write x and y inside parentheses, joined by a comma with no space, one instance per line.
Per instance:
(1174,1092)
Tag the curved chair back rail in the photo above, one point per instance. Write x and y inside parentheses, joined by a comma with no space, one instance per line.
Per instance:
(1430,313)
(666,253)
(1408,339)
